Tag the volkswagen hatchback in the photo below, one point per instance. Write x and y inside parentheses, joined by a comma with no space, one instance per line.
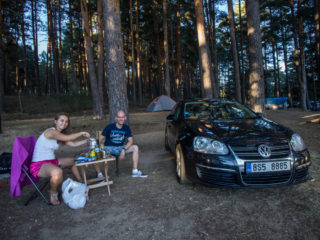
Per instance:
(223,143)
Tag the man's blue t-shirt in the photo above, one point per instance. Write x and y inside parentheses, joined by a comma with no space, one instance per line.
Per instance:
(115,136)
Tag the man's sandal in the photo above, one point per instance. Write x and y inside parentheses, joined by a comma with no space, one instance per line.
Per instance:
(54,199)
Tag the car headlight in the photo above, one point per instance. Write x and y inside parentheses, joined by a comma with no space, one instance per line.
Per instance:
(297,143)
(207,145)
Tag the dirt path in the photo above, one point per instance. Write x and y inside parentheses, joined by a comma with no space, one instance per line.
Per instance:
(158,207)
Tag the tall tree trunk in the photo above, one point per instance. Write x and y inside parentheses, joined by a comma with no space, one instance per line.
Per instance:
(25,66)
(274,46)
(178,81)
(159,82)
(256,92)
(133,71)
(317,31)
(166,48)
(118,99)
(34,15)
(98,104)
(285,58)
(242,70)
(49,83)
(297,60)
(265,71)
(206,70)
(52,38)
(63,84)
(276,84)
(303,83)
(16,43)
(214,45)
(80,60)
(1,67)
(74,84)
(100,60)
(172,59)
(234,49)
(138,53)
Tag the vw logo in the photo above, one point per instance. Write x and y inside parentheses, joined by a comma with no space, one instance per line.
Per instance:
(264,151)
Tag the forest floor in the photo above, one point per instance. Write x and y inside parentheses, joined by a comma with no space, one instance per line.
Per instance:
(158,207)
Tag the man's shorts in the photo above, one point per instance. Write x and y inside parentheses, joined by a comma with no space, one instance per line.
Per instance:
(114,150)
(35,166)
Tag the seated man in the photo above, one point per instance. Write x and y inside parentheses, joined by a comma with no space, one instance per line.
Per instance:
(115,135)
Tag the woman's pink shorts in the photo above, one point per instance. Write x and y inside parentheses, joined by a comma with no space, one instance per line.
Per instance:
(35,166)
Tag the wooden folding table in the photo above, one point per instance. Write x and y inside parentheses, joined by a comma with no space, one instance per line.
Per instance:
(107,183)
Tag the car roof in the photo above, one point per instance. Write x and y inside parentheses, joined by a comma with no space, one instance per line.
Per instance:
(205,100)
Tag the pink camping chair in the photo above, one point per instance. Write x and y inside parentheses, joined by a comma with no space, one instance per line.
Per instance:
(21,159)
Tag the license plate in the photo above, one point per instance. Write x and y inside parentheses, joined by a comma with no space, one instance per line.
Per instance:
(258,167)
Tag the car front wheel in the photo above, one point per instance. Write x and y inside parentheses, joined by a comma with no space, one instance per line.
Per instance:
(180,166)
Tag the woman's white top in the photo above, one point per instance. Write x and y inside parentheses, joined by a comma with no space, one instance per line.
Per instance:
(44,149)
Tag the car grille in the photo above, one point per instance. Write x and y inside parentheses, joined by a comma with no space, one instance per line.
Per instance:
(250,152)
(217,177)
(301,174)
(266,178)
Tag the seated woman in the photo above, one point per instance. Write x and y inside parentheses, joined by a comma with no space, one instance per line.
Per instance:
(44,162)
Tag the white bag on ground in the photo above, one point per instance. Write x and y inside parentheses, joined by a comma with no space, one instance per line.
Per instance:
(74,194)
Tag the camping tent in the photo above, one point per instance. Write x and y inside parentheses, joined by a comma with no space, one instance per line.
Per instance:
(161,103)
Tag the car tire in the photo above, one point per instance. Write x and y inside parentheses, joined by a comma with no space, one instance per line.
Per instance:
(180,166)
(166,144)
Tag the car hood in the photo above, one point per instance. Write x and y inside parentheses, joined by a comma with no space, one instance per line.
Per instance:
(244,131)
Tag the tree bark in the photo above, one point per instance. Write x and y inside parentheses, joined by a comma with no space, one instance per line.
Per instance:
(34,16)
(98,104)
(285,58)
(241,58)
(297,60)
(276,91)
(317,31)
(138,53)
(206,70)
(303,83)
(1,67)
(52,38)
(100,60)
(133,71)
(118,99)
(256,90)
(213,37)
(234,50)
(74,85)
(25,63)
(166,48)
(63,84)
(159,80)
(178,81)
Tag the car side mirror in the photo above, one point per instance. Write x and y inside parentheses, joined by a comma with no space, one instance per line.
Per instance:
(171,117)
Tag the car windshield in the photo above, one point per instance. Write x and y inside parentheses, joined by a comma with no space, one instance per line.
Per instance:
(217,110)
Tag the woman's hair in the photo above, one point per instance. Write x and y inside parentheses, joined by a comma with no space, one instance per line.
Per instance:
(66,130)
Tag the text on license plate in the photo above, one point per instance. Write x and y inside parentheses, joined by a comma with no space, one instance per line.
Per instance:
(253,167)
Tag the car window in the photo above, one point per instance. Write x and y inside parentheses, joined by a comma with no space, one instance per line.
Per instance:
(217,110)
(177,111)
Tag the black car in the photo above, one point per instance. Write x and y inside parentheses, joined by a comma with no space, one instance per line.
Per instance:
(223,143)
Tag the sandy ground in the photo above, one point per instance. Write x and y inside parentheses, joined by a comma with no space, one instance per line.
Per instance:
(158,207)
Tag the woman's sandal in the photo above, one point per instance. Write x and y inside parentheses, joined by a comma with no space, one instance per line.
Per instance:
(54,199)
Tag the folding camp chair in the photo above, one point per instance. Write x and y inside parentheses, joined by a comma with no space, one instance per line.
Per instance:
(20,176)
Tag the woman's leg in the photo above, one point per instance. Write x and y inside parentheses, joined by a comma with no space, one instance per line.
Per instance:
(69,163)
(56,176)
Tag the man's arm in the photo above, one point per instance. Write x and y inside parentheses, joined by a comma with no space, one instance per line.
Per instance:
(129,143)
